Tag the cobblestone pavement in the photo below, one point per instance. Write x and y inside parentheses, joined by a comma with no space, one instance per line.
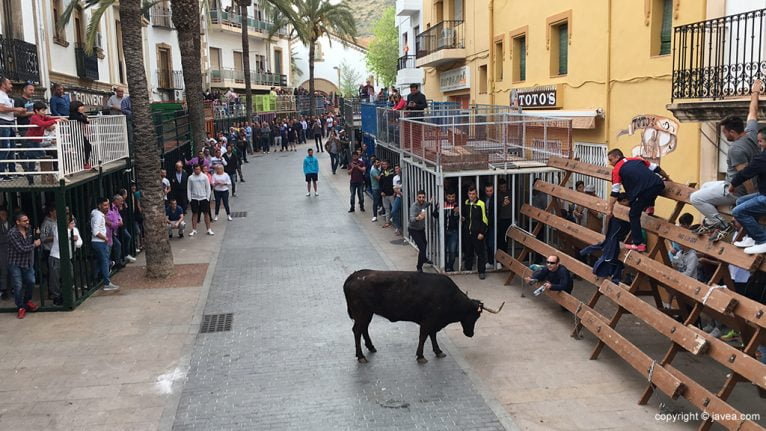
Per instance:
(288,361)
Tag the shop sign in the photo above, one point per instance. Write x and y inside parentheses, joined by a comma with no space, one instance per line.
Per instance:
(545,97)
(89,98)
(455,79)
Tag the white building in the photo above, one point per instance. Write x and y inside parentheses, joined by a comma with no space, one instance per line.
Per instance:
(330,56)
(408,25)
(18,41)
(162,55)
(222,49)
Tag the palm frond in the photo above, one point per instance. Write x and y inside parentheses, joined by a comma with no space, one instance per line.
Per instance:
(147,5)
(94,24)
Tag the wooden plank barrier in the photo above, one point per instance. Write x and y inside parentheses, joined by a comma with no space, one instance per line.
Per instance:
(717,298)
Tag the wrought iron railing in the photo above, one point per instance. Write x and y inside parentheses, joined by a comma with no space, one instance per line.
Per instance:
(87,64)
(719,57)
(161,16)
(235,20)
(444,35)
(18,60)
(170,79)
(405,62)
(256,78)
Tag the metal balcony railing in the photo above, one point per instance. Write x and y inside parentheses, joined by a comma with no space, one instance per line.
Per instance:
(256,78)
(405,62)
(235,20)
(87,64)
(18,60)
(444,35)
(719,57)
(170,79)
(161,16)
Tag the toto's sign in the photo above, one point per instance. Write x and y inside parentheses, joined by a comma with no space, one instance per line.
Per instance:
(536,97)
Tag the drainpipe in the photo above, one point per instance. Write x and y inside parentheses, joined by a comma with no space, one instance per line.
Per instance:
(42,51)
(492,59)
(607,120)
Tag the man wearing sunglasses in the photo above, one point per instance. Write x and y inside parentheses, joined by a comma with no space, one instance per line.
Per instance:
(554,276)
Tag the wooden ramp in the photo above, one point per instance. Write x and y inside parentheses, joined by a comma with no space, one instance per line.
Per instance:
(655,278)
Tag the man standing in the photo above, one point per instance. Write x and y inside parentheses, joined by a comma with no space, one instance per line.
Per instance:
(22,119)
(476,225)
(304,132)
(248,138)
(311,172)
(114,103)
(59,102)
(356,170)
(47,232)
(642,185)
(451,212)
(21,252)
(174,216)
(198,193)
(231,163)
(4,227)
(417,227)
(416,101)
(165,184)
(554,276)
(375,188)
(489,208)
(100,241)
(741,151)
(54,260)
(332,145)
(386,183)
(504,214)
(178,183)
(7,119)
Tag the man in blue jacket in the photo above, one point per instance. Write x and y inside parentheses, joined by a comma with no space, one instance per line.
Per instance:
(554,276)
(311,171)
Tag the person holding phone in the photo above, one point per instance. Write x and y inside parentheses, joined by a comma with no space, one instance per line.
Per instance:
(417,227)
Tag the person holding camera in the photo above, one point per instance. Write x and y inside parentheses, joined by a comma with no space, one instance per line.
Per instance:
(417,227)
(554,276)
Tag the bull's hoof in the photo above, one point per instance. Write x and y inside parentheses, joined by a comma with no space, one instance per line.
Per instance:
(372,348)
(440,355)
(422,360)
(362,360)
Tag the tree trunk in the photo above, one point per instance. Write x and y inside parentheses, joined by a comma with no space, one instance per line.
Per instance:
(313,108)
(159,256)
(186,19)
(246,59)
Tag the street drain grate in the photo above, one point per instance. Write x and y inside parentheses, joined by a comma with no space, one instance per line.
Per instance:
(239,214)
(216,323)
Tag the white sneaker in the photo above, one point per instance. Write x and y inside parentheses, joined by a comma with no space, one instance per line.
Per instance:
(308,193)
(210,232)
(756,249)
(193,232)
(316,194)
(374,219)
(130,258)
(111,286)
(215,218)
(745,243)
(229,218)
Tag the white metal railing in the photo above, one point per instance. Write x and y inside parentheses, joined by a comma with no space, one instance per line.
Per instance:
(62,153)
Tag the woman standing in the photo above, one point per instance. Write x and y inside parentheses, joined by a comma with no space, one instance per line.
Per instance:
(77,113)
(221,184)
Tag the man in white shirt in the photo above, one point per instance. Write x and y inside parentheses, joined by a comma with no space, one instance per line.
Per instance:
(54,260)
(114,104)
(198,193)
(8,112)
(99,241)
(165,184)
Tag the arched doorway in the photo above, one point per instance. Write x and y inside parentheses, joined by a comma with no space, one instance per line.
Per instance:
(321,85)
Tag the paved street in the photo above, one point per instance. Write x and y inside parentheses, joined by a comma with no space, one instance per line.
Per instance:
(288,361)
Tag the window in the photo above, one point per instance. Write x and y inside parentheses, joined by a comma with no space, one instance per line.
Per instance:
(520,58)
(59,34)
(662,26)
(278,61)
(260,63)
(483,79)
(499,59)
(559,48)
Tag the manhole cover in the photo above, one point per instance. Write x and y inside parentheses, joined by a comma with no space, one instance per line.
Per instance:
(395,404)
(239,214)
(216,323)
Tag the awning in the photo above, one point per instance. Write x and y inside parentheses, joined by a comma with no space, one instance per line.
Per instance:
(581,119)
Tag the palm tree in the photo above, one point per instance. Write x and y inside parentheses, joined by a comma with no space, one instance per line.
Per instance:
(159,258)
(243,5)
(312,19)
(186,19)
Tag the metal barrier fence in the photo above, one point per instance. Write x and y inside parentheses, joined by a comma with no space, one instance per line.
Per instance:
(483,141)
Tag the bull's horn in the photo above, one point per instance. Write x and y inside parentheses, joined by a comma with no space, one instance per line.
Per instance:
(493,311)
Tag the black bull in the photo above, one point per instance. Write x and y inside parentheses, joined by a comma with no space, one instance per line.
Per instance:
(431,300)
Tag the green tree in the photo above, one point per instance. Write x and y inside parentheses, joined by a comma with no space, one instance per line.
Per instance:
(350,79)
(310,20)
(159,257)
(384,49)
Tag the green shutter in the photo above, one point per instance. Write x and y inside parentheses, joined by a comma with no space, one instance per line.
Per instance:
(563,48)
(522,59)
(667,26)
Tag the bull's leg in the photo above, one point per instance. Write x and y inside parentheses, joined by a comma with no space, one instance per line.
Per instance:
(367,340)
(421,341)
(358,341)
(437,351)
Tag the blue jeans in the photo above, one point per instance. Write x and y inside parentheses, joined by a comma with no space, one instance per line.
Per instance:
(396,217)
(376,203)
(762,349)
(23,282)
(452,237)
(101,249)
(6,132)
(747,211)
(334,162)
(126,241)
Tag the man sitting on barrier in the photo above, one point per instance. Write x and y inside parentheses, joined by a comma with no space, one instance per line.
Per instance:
(642,186)
(749,208)
(554,276)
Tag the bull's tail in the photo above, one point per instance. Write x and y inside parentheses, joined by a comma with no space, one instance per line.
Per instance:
(346,288)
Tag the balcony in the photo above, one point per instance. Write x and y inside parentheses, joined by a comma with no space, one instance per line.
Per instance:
(230,21)
(236,78)
(440,44)
(170,79)
(407,7)
(714,65)
(18,61)
(161,17)
(87,64)
(407,73)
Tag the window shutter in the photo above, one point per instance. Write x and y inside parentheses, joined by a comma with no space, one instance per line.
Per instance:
(667,26)
(563,48)
(522,59)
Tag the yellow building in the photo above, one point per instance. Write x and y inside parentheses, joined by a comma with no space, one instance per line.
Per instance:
(601,62)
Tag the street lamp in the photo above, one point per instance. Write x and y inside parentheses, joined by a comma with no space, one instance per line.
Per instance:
(338,70)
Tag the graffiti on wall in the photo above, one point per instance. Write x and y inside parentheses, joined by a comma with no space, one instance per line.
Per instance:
(658,135)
